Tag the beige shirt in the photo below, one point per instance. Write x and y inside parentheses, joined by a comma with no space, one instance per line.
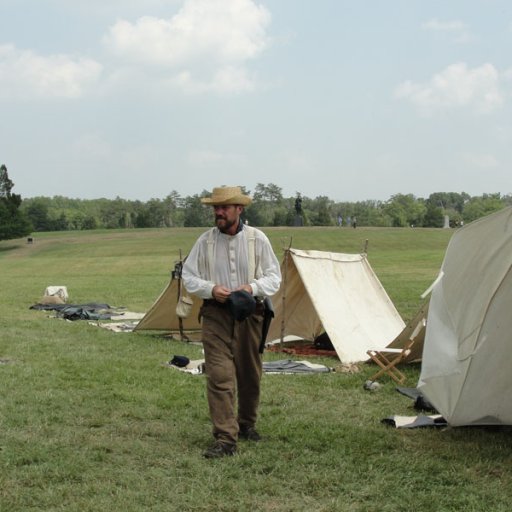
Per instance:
(231,264)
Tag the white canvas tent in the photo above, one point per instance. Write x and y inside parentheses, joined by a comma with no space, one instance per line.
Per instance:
(162,314)
(336,293)
(466,356)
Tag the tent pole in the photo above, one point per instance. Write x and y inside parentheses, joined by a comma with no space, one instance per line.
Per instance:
(285,275)
(180,320)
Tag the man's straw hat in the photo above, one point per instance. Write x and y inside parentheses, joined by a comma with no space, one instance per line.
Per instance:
(227,195)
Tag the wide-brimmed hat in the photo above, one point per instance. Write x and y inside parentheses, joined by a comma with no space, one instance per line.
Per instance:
(227,195)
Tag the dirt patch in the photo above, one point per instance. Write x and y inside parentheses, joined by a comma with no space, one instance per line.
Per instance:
(302,349)
(20,248)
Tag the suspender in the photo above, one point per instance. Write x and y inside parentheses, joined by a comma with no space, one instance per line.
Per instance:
(251,251)
(211,259)
(250,233)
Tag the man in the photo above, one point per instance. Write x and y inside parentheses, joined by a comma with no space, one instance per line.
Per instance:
(219,264)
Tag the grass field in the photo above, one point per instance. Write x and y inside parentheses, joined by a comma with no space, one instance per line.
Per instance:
(91,420)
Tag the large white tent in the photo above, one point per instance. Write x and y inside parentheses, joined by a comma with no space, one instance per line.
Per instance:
(336,293)
(466,371)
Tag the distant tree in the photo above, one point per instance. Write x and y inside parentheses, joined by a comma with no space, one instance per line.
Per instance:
(454,217)
(270,193)
(158,214)
(405,210)
(369,213)
(396,212)
(266,207)
(77,220)
(321,211)
(143,219)
(478,207)
(448,200)
(434,216)
(172,206)
(289,218)
(117,213)
(280,216)
(37,210)
(196,214)
(14,222)
(89,222)
(61,223)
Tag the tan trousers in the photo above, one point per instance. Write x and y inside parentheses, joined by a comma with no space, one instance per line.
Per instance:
(233,367)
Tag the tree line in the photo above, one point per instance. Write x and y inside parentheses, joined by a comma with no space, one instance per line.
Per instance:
(268,208)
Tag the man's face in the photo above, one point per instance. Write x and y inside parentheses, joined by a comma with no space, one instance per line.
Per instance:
(227,217)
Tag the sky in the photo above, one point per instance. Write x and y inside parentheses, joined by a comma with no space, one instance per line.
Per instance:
(350,99)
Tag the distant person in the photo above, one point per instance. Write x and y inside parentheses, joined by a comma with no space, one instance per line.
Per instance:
(340,221)
(349,220)
(218,270)
(354,222)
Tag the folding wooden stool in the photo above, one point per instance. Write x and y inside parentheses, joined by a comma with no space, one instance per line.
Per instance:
(387,359)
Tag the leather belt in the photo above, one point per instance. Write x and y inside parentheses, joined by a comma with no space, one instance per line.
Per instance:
(214,302)
(223,305)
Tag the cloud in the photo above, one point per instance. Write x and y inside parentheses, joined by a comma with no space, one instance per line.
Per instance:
(458,29)
(228,79)
(457,86)
(26,75)
(205,46)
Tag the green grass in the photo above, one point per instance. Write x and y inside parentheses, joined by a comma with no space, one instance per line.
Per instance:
(90,420)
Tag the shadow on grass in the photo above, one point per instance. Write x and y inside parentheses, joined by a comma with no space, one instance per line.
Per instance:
(477,433)
(9,248)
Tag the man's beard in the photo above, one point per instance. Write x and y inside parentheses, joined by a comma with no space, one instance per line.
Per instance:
(224,225)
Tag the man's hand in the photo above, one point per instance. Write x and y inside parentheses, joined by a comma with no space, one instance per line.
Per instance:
(245,287)
(220,293)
